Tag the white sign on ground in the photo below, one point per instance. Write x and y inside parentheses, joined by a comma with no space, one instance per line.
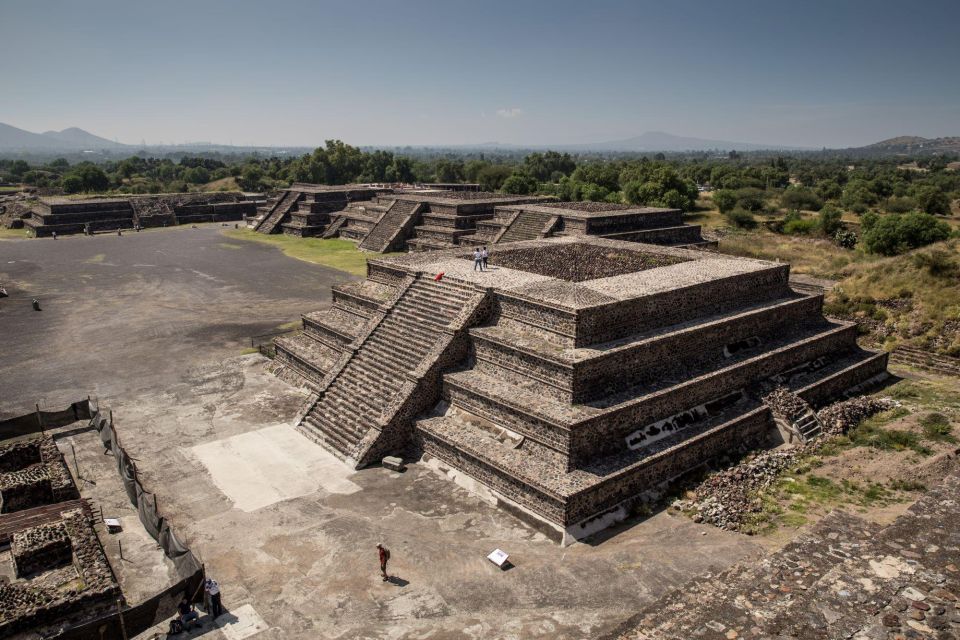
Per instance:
(241,623)
(260,468)
(498,557)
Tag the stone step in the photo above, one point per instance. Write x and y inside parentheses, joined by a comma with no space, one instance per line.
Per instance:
(388,351)
(336,324)
(400,342)
(410,336)
(333,435)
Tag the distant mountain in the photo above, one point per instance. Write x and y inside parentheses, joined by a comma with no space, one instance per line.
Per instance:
(915,145)
(72,139)
(660,141)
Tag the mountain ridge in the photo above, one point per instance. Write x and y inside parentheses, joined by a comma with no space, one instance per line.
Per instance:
(71,138)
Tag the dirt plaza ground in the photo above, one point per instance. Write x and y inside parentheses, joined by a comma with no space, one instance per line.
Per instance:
(155,324)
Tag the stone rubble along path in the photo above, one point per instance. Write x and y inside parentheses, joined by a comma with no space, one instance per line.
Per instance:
(727,498)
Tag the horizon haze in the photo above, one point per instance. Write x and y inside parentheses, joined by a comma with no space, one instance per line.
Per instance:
(805,75)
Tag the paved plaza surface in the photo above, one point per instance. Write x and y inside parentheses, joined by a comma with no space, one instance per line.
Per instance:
(129,315)
(155,329)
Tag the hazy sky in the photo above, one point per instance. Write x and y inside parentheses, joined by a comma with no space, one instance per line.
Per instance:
(277,72)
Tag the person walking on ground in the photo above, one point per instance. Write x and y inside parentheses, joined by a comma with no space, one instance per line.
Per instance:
(484,256)
(384,554)
(212,587)
(477,260)
(54,235)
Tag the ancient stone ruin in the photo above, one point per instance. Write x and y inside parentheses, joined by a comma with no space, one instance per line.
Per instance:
(58,572)
(386,219)
(33,473)
(573,379)
(66,216)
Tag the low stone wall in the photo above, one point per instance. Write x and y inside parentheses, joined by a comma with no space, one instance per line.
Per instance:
(749,431)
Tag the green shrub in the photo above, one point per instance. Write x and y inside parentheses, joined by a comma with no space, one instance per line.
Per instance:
(936,262)
(845,239)
(800,227)
(741,218)
(894,234)
(829,220)
(796,198)
(936,426)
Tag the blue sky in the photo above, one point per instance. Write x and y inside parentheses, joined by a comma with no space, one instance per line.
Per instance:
(810,73)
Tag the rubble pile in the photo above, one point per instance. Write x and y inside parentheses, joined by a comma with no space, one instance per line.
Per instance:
(840,417)
(727,497)
(784,402)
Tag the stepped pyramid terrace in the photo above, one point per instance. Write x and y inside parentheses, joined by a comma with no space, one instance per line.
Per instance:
(387,219)
(65,215)
(573,379)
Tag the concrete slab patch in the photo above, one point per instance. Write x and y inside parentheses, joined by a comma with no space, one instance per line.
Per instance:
(241,623)
(260,468)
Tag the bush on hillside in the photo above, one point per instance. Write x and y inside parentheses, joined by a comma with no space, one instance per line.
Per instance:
(741,218)
(894,234)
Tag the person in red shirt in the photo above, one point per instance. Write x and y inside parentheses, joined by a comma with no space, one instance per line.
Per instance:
(384,554)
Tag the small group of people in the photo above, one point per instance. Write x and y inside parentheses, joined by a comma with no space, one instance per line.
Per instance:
(480,257)
(187,616)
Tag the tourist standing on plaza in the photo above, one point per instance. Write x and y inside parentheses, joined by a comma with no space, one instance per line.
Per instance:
(384,554)
(212,588)
(477,259)
(484,256)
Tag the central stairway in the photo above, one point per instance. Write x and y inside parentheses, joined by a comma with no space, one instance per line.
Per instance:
(363,398)
(393,227)
(280,210)
(528,225)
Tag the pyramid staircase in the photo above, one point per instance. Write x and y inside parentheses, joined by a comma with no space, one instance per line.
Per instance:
(527,225)
(393,228)
(312,354)
(364,406)
(807,425)
(333,229)
(359,218)
(277,213)
(845,578)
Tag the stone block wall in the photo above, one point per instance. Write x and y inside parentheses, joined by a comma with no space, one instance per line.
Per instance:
(607,433)
(33,604)
(40,548)
(33,473)
(747,432)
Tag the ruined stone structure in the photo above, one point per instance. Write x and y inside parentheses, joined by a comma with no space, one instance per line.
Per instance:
(60,574)
(615,221)
(384,219)
(66,216)
(33,473)
(846,578)
(573,379)
(63,576)
(304,209)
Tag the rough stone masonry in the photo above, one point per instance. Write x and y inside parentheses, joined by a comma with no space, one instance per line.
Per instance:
(573,379)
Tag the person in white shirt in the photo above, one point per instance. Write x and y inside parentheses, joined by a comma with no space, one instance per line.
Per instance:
(212,587)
